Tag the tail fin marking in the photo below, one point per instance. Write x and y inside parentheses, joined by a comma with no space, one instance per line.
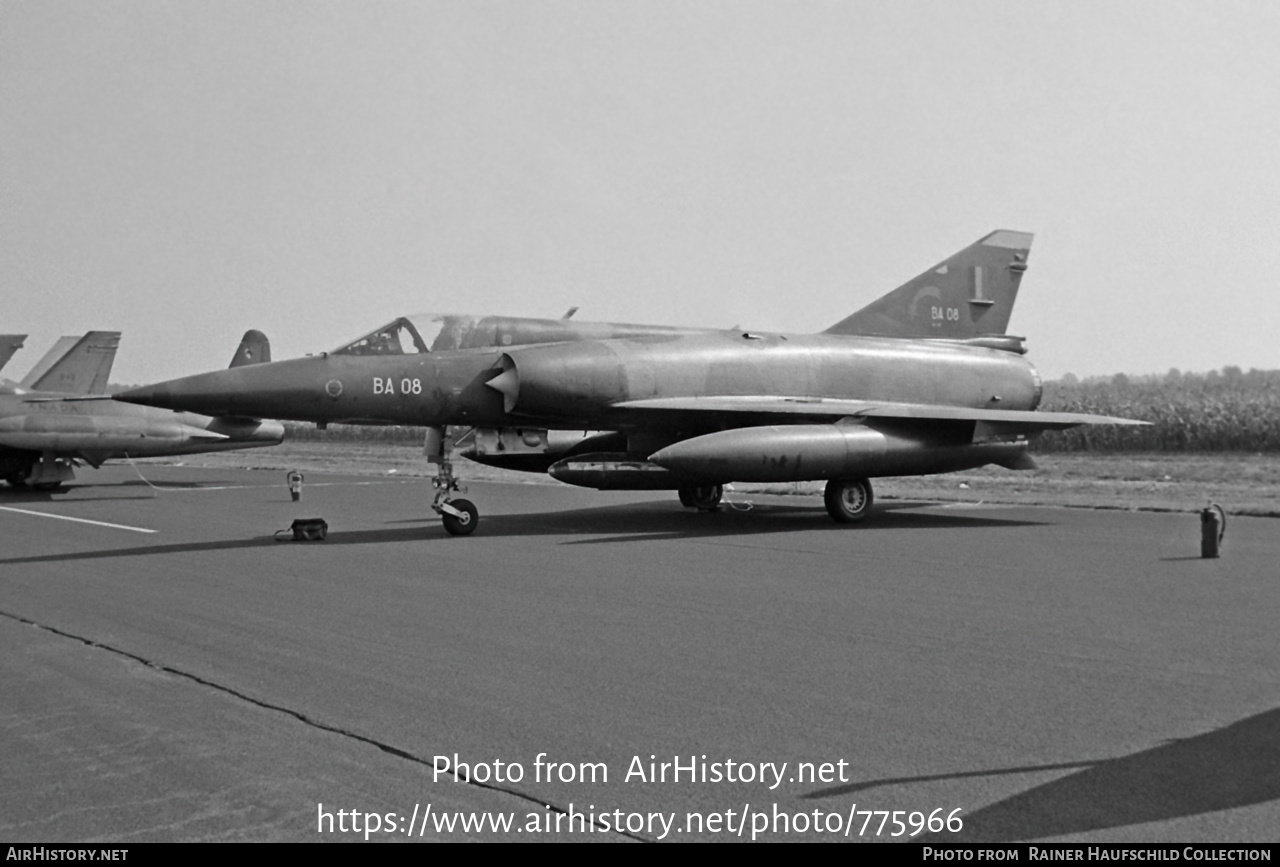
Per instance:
(971,294)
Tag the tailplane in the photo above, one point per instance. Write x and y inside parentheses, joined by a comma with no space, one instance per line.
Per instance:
(969,295)
(76,365)
(254,348)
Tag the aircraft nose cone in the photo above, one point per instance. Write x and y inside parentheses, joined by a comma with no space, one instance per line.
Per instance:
(239,391)
(148,395)
(250,391)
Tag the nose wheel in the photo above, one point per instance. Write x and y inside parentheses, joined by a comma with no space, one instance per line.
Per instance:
(459,517)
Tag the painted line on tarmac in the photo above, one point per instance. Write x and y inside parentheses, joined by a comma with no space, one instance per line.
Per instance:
(78,520)
(183,489)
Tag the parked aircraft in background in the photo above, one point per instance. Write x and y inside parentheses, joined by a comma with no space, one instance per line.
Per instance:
(9,344)
(45,432)
(923,380)
(75,365)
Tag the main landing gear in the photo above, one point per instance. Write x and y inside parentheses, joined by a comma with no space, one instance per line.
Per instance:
(49,473)
(848,500)
(704,498)
(460,517)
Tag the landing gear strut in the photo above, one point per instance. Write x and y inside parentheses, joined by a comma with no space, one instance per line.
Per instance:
(848,500)
(46,474)
(704,498)
(459,516)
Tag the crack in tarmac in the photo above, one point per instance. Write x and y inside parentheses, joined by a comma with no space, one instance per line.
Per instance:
(304,719)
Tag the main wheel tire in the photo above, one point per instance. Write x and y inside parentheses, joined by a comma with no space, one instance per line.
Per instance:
(706,498)
(848,500)
(686,498)
(464,525)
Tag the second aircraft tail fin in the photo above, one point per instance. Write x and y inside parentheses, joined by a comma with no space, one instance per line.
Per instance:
(9,344)
(76,365)
(968,295)
(254,348)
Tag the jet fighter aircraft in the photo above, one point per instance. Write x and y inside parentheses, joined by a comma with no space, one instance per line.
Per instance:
(45,433)
(924,380)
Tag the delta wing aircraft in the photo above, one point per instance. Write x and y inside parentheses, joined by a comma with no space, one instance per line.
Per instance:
(923,380)
(51,422)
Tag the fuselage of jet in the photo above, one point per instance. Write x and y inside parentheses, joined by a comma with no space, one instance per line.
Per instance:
(588,384)
(51,426)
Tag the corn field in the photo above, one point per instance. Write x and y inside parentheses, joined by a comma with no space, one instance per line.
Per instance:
(1220,411)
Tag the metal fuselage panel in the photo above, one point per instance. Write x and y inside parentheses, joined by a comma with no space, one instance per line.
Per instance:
(420,389)
(583,381)
(576,385)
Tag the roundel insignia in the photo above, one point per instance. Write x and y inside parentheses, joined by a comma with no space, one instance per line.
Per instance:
(926,292)
(333,388)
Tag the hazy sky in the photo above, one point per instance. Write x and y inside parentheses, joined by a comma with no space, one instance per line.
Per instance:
(183,171)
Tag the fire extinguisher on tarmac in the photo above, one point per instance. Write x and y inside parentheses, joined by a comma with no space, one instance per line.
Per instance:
(1213,526)
(295,484)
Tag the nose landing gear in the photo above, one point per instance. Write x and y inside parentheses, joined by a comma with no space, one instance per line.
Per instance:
(460,517)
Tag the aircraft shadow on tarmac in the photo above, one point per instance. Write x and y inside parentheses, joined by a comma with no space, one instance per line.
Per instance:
(658,521)
(1232,767)
(355,537)
(137,488)
(662,521)
(18,498)
(139,483)
(622,523)
(9,495)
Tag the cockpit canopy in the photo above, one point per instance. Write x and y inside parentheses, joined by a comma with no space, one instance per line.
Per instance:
(438,332)
(398,337)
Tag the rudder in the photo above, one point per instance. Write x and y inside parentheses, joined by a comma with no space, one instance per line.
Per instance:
(968,295)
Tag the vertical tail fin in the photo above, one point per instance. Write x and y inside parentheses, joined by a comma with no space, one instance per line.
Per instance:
(60,348)
(968,295)
(76,366)
(254,348)
(9,344)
